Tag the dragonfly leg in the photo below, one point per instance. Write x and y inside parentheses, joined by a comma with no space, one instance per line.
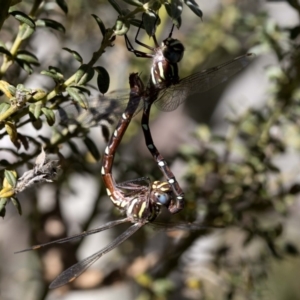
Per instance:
(162,164)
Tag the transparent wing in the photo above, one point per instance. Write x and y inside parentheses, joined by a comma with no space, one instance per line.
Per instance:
(76,270)
(103,111)
(78,236)
(182,226)
(98,108)
(170,98)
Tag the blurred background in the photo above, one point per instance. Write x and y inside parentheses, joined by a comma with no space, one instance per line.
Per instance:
(234,150)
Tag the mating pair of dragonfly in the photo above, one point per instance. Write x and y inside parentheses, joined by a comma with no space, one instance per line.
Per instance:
(140,199)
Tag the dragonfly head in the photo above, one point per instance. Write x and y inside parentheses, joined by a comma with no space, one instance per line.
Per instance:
(163,193)
(172,50)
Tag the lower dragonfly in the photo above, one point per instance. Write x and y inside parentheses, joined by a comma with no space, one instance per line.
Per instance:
(140,202)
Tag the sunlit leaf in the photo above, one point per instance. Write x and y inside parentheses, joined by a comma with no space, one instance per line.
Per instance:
(100,24)
(11,177)
(4,107)
(84,74)
(51,24)
(92,148)
(23,18)
(16,204)
(150,21)
(75,95)
(11,130)
(192,4)
(75,54)
(49,114)
(27,57)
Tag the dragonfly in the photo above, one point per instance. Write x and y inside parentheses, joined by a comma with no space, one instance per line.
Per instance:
(139,199)
(167,91)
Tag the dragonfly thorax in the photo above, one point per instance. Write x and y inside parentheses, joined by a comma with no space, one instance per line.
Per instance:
(147,205)
(163,72)
(143,208)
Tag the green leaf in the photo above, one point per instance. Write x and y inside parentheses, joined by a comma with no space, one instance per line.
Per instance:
(23,140)
(4,107)
(27,57)
(55,70)
(76,96)
(73,147)
(17,205)
(51,24)
(49,114)
(150,21)
(176,9)
(24,65)
(82,89)
(102,79)
(115,5)
(75,54)
(5,51)
(25,31)
(10,177)
(3,202)
(12,90)
(55,74)
(155,5)
(63,5)
(170,11)
(37,124)
(11,130)
(193,6)
(100,24)
(35,109)
(92,148)
(84,74)
(23,18)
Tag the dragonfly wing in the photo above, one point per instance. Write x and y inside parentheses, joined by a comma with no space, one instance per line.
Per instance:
(180,226)
(102,111)
(97,109)
(170,98)
(76,270)
(80,235)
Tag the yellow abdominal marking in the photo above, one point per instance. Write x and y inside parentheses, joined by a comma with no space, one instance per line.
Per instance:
(142,209)
(161,70)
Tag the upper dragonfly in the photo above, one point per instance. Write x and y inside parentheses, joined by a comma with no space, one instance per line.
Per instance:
(167,91)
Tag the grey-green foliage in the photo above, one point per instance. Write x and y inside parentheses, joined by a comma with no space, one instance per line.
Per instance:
(230,180)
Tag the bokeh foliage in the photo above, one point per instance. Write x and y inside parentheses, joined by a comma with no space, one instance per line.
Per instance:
(233,180)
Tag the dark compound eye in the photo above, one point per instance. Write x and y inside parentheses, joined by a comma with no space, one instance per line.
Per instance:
(172,50)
